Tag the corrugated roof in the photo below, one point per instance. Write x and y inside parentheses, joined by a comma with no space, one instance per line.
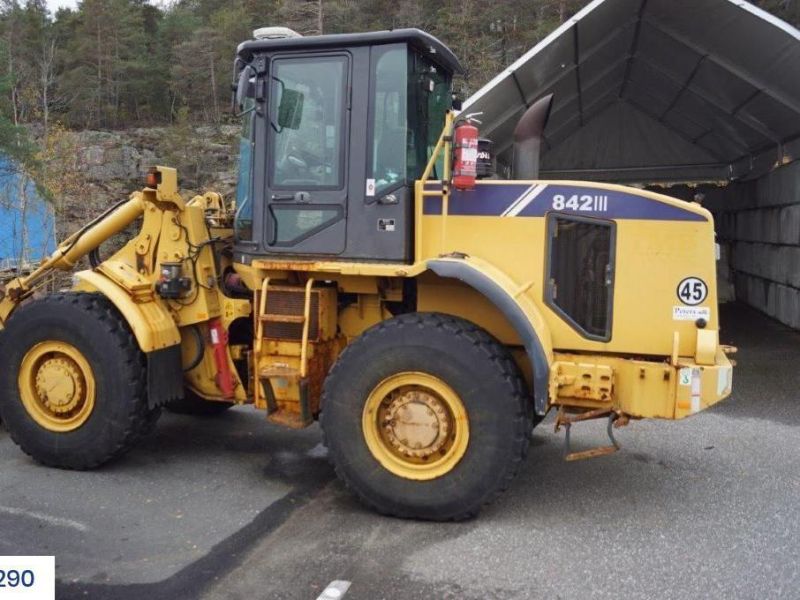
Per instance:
(656,90)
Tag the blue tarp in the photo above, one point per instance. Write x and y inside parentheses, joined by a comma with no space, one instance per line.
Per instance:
(27,231)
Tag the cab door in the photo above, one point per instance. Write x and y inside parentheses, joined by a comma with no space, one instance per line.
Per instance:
(308,138)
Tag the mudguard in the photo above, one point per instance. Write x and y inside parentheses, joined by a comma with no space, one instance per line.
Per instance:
(150,322)
(511,301)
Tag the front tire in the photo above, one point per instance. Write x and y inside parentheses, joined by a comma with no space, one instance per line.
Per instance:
(426,416)
(72,381)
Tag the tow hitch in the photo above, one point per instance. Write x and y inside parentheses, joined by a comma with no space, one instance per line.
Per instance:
(615,419)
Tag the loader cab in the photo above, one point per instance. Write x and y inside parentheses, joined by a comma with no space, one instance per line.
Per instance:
(335,130)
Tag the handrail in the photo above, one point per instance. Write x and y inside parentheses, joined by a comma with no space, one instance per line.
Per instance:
(306,321)
(443,145)
(262,308)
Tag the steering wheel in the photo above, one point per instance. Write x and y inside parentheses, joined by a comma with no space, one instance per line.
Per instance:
(296,162)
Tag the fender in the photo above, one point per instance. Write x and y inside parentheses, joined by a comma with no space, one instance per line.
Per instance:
(155,332)
(151,323)
(521,313)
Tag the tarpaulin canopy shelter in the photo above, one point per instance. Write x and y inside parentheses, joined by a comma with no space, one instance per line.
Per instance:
(656,90)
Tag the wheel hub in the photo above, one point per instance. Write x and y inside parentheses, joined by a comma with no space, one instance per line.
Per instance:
(58,385)
(416,423)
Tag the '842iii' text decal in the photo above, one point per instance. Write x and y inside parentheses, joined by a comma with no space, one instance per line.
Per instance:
(514,199)
(581,202)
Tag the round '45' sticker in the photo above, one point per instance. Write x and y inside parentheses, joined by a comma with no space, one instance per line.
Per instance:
(692,291)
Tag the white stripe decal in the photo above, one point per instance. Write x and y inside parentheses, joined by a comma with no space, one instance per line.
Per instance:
(519,206)
(517,200)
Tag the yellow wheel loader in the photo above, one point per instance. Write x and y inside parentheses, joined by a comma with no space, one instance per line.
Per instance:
(365,279)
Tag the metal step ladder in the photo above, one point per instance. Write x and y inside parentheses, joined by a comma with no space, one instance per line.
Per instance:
(278,371)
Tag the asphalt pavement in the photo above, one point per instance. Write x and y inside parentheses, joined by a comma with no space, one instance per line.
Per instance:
(232,507)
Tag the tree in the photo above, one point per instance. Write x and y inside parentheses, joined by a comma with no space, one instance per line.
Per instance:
(117,63)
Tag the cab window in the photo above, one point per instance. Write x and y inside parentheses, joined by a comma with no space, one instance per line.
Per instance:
(389,117)
(308,119)
(430,97)
(244,185)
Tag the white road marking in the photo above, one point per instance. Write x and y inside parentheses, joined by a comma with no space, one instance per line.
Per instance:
(520,203)
(50,520)
(335,590)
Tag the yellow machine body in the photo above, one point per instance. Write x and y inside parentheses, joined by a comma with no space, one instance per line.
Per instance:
(489,268)
(599,301)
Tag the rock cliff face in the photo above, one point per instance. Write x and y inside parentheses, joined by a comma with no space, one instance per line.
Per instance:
(91,170)
(207,154)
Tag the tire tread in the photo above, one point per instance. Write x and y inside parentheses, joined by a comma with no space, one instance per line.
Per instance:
(487,345)
(139,419)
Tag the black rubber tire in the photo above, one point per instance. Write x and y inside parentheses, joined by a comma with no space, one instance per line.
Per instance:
(478,368)
(192,404)
(120,416)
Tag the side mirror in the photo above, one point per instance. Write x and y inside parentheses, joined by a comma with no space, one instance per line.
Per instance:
(290,109)
(244,87)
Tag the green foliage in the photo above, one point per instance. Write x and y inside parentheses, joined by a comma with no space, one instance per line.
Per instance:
(15,143)
(118,63)
(179,147)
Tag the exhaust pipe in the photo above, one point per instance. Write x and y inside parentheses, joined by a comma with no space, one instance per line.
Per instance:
(528,139)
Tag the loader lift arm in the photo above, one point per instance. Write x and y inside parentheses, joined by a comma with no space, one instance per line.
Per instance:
(76,246)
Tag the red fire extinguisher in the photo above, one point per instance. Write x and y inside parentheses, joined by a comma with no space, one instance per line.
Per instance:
(465,161)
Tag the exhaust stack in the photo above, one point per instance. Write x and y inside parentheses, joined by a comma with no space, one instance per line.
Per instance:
(528,139)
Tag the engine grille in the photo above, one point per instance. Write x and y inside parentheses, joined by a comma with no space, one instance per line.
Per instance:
(290,301)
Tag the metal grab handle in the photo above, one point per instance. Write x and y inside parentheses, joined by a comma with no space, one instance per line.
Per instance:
(296,197)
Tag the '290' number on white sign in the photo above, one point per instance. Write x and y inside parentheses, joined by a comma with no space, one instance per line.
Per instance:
(585,202)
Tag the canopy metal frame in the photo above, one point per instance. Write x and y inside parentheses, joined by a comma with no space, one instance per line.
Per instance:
(737,103)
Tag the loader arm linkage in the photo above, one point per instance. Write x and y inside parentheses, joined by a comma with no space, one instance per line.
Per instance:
(71,250)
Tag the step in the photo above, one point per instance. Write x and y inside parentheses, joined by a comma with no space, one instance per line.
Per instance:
(273,318)
(280,371)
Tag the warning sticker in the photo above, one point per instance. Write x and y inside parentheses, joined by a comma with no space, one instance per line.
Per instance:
(690,313)
(685,376)
(724,380)
(697,390)
(469,154)
(386,224)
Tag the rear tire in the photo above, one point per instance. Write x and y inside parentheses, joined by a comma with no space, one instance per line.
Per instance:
(439,369)
(72,381)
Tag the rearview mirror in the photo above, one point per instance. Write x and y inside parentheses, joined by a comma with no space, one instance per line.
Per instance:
(290,109)
(244,87)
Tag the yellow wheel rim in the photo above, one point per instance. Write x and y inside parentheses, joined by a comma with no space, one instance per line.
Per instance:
(416,426)
(56,385)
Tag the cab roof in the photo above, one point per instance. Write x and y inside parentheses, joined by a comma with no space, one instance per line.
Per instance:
(430,46)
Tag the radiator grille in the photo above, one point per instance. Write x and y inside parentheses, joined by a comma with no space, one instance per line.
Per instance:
(579,272)
(291,302)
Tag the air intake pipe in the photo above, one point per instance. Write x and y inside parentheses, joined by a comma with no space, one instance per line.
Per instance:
(528,139)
